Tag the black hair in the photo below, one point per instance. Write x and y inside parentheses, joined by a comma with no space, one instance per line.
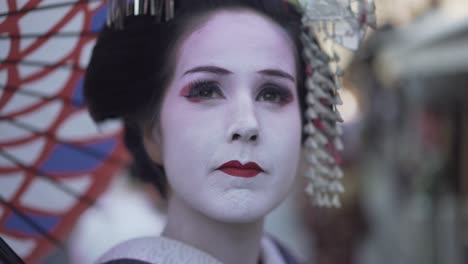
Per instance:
(130,69)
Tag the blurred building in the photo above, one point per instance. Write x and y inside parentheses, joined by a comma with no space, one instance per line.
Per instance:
(406,142)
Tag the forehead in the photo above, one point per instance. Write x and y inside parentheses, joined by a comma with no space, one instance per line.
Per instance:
(240,41)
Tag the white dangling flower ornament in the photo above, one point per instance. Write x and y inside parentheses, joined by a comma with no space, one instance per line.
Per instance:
(343,22)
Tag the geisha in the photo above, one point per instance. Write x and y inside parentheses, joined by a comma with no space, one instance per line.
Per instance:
(213,101)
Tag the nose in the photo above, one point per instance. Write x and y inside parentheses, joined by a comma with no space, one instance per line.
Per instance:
(244,124)
(245,134)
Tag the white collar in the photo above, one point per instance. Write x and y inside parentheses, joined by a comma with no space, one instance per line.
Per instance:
(164,249)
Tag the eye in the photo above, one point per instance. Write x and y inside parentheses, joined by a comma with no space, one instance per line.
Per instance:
(275,94)
(202,90)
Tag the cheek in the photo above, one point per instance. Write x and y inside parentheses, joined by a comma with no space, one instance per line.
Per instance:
(189,137)
(189,128)
(283,131)
(283,137)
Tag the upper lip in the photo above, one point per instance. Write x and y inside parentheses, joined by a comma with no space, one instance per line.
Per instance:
(236,164)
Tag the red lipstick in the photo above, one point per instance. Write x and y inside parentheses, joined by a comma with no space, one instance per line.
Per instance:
(236,169)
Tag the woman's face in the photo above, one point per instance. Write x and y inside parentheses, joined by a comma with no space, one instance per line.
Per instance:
(230,127)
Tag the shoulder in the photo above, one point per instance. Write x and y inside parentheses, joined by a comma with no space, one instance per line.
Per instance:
(155,250)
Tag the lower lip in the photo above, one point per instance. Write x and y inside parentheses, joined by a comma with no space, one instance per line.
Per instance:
(244,173)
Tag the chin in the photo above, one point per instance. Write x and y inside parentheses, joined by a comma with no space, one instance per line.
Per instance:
(241,206)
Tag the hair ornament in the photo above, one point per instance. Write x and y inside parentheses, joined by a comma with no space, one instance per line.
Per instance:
(342,22)
(117,10)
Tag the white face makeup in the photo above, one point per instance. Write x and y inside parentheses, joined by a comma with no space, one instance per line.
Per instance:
(232,98)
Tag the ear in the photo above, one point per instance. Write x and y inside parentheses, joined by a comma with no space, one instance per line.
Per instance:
(152,144)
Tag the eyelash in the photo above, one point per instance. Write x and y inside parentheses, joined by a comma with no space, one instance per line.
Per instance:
(195,89)
(283,94)
(194,92)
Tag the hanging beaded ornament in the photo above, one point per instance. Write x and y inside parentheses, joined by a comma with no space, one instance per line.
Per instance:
(342,22)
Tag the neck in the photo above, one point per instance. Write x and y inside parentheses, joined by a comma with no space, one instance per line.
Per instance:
(228,242)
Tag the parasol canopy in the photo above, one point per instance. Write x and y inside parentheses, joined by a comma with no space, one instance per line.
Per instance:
(54,161)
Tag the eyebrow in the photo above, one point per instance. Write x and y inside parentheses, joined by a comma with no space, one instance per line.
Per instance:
(277,73)
(222,71)
(210,69)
